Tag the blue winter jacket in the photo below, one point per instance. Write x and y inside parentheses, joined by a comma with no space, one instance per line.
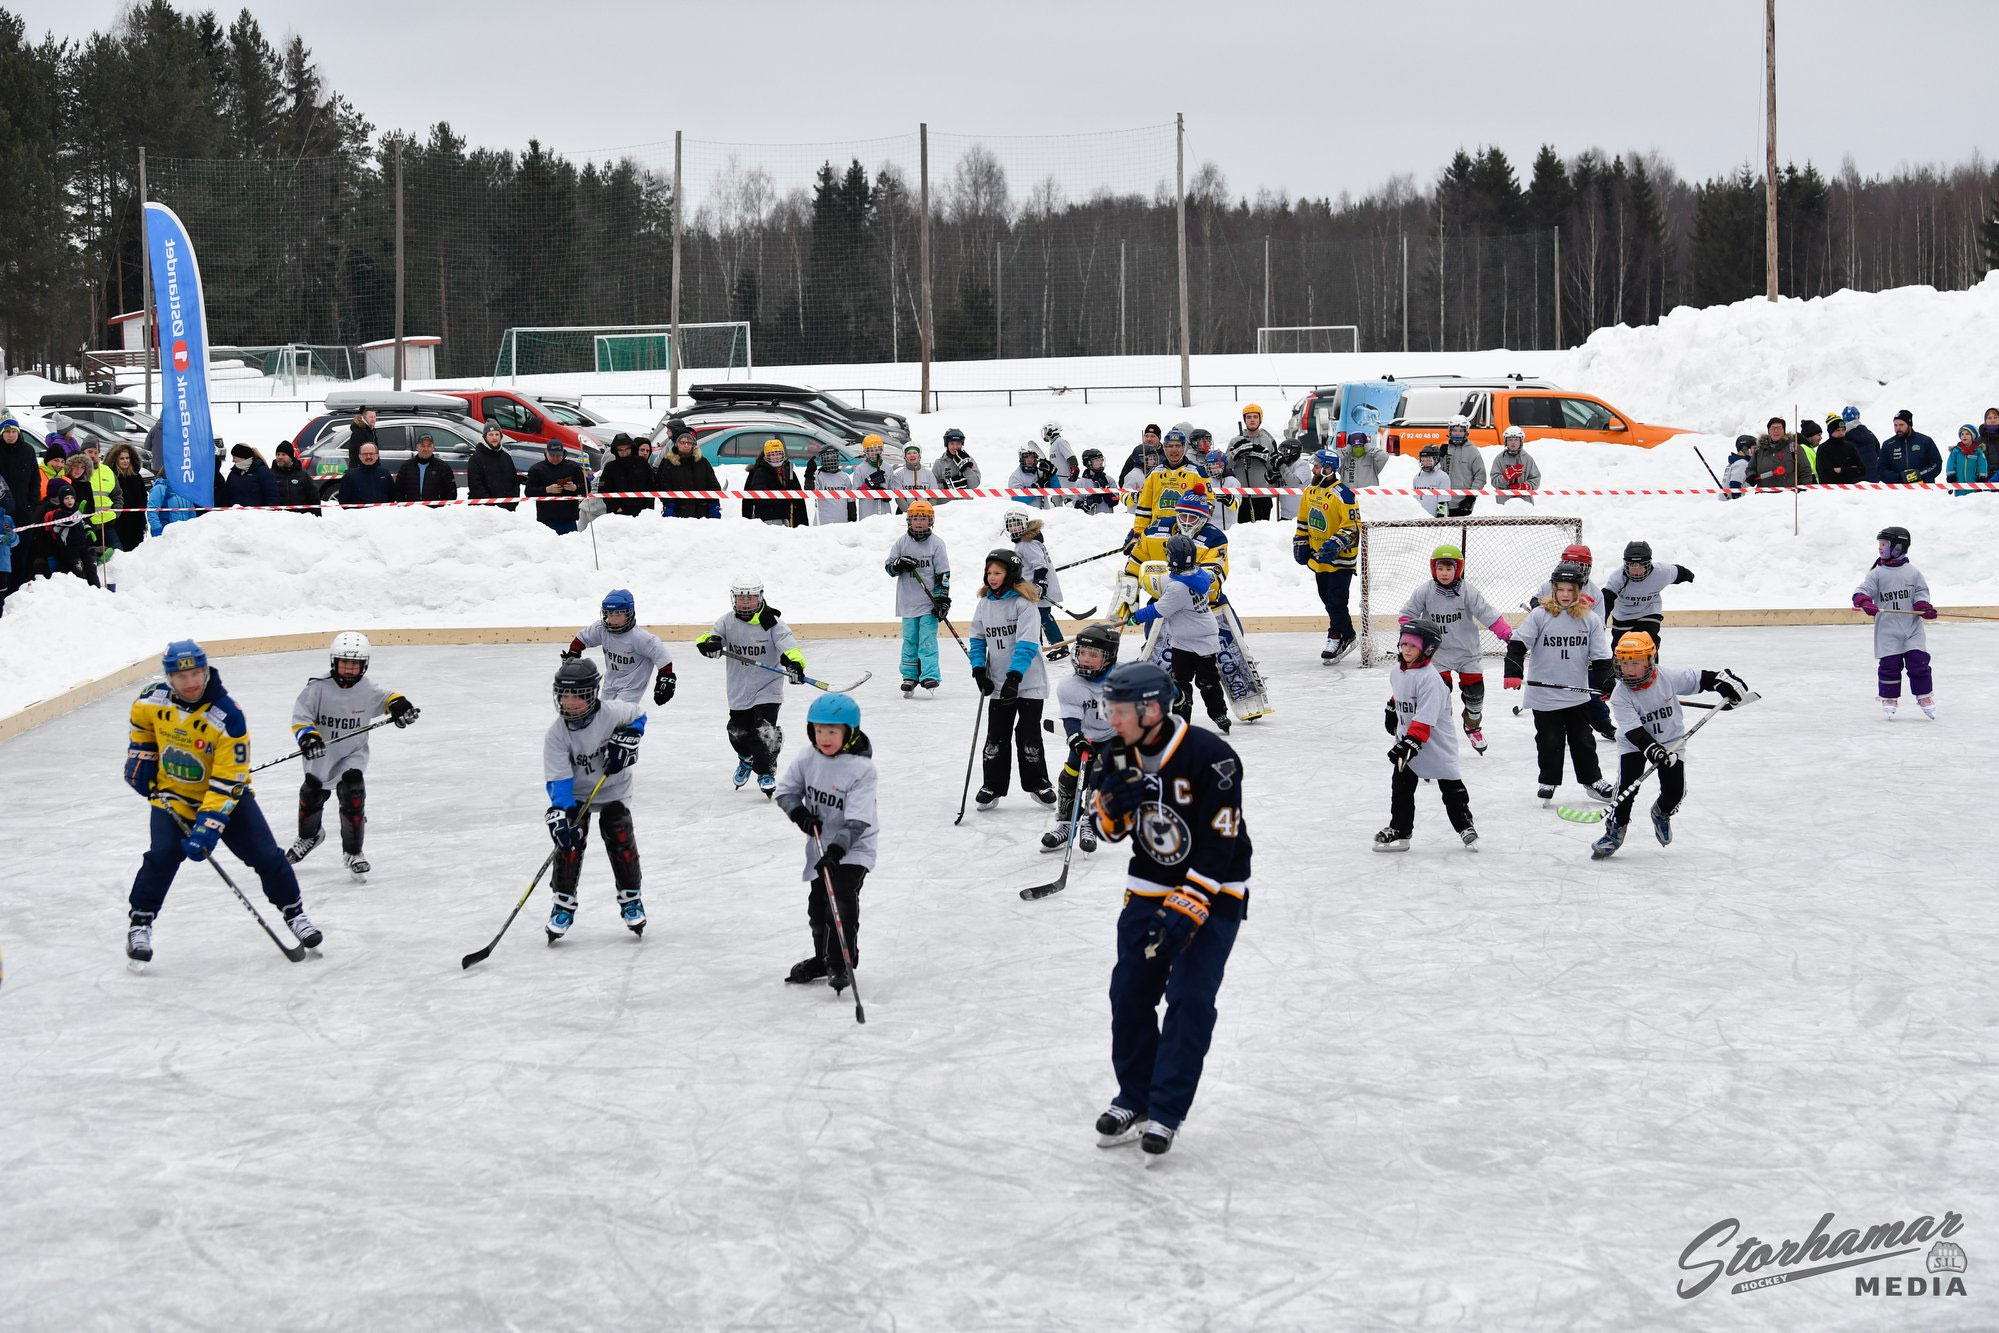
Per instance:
(1914,452)
(9,539)
(162,507)
(1966,467)
(253,487)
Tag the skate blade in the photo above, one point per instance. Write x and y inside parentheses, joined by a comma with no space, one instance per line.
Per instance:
(636,927)
(1153,1159)
(137,966)
(1116,1140)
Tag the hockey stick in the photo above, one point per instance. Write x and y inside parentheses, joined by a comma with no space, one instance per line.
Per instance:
(928,592)
(866,676)
(1074,615)
(1710,471)
(295,952)
(481,955)
(359,731)
(1596,814)
(1088,559)
(1941,615)
(839,929)
(1061,881)
(965,793)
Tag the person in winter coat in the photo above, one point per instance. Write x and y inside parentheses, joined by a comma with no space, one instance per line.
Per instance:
(1866,446)
(1778,463)
(129,525)
(1148,454)
(9,539)
(367,482)
(19,470)
(1837,463)
(555,483)
(626,471)
(682,468)
(424,476)
(101,483)
(298,493)
(1988,437)
(956,470)
(912,476)
(1463,465)
(1364,462)
(773,472)
(248,484)
(61,434)
(1252,455)
(67,538)
(1909,455)
(1735,472)
(491,474)
(164,508)
(1515,468)
(360,431)
(1809,435)
(1967,461)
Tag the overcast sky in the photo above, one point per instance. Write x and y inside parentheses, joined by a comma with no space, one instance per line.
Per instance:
(1304,95)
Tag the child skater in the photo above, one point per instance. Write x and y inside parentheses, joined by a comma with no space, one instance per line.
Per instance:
(1897,596)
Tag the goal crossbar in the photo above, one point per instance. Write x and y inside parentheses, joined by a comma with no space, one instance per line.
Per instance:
(1507,558)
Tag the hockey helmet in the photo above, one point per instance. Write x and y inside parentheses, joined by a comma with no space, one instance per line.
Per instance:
(185,655)
(835,710)
(1008,559)
(1030,450)
(1139,683)
(920,509)
(1447,554)
(1016,521)
(1192,513)
(954,434)
(1175,436)
(577,678)
(1050,429)
(1093,457)
(1425,634)
(619,602)
(1102,640)
(1256,408)
(1638,553)
(1576,553)
(1181,553)
(1570,572)
(1636,648)
(1514,439)
(1896,539)
(773,446)
(1199,436)
(871,445)
(746,588)
(1428,454)
(349,646)
(829,456)
(1326,461)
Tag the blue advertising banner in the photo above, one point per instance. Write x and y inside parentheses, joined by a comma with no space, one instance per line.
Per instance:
(180,322)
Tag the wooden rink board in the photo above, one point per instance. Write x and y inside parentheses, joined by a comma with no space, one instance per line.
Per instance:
(48,710)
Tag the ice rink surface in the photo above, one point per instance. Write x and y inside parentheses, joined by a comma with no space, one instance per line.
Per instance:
(1502,1090)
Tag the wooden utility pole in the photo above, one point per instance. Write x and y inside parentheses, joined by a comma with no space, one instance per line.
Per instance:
(673,315)
(1180,215)
(1770,147)
(399,269)
(923,253)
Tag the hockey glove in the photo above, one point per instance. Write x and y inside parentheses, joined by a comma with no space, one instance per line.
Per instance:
(832,856)
(982,680)
(1327,553)
(1130,540)
(201,839)
(801,815)
(572,652)
(941,607)
(311,745)
(1403,753)
(1510,682)
(142,767)
(1301,552)
(708,645)
(1926,611)
(664,684)
(1659,756)
(621,751)
(1179,914)
(794,667)
(903,564)
(402,712)
(562,829)
(1865,604)
(1389,722)
(1010,687)
(1120,783)
(1731,687)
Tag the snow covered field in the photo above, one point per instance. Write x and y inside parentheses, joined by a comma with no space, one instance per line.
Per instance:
(1492,1091)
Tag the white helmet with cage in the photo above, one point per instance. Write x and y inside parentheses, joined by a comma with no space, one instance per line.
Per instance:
(350,646)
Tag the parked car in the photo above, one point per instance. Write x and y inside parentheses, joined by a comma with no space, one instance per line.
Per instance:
(343,404)
(1542,413)
(1325,416)
(453,437)
(113,413)
(538,418)
(804,401)
(733,440)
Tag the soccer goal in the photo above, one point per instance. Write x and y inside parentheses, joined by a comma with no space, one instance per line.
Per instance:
(614,348)
(1507,559)
(1308,338)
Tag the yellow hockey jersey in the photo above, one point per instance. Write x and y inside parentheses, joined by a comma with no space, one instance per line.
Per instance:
(1159,495)
(204,748)
(1326,512)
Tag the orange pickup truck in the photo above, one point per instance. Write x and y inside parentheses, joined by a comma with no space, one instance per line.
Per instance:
(1543,413)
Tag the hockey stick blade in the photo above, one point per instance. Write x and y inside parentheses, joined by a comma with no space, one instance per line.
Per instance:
(1074,615)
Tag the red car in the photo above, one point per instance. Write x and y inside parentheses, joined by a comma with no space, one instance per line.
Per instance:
(539,418)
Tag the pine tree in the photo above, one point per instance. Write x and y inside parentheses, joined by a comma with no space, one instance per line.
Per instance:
(1991,231)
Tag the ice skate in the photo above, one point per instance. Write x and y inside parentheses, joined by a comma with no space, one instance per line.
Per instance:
(908,688)
(1045,795)
(1155,1139)
(1470,838)
(560,918)
(139,942)
(1391,839)
(1058,652)
(1662,825)
(1612,839)
(767,784)
(986,799)
(837,974)
(633,912)
(1117,1125)
(1086,837)
(742,773)
(1475,736)
(1055,839)
(1888,707)
(1602,790)
(1221,721)
(299,850)
(929,688)
(301,924)
(357,866)
(806,971)
(1928,703)
(1346,646)
(1547,795)
(1331,652)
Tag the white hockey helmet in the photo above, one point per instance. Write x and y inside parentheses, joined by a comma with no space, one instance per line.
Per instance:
(1015,521)
(1050,429)
(1513,435)
(746,585)
(350,646)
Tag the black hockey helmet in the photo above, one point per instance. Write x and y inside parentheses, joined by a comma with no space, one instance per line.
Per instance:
(1198,436)
(954,434)
(578,678)
(1744,443)
(1140,682)
(1570,572)
(1103,638)
(1426,632)
(1181,553)
(1007,558)
(1638,553)
(1092,457)
(1429,451)
(1897,539)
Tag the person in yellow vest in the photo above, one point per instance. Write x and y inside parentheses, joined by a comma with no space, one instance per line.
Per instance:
(1327,542)
(190,758)
(1159,495)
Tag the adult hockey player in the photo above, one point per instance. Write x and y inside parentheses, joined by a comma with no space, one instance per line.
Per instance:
(1327,542)
(829,792)
(754,632)
(1079,703)
(591,738)
(1007,667)
(329,710)
(1560,656)
(1159,494)
(921,568)
(1632,595)
(1039,567)
(1176,792)
(1180,605)
(634,657)
(1896,596)
(1457,610)
(189,756)
(1650,728)
(1418,716)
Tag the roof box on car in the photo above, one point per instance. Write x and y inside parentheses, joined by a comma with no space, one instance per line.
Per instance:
(389,400)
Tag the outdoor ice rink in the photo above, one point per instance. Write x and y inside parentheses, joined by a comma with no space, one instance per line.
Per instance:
(1501,1090)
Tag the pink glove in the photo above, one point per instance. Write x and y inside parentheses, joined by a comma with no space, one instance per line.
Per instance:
(1926,611)
(1503,630)
(1866,604)
(1512,683)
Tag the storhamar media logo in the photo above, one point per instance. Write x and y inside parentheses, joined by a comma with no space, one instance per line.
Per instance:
(180,355)
(1715,1253)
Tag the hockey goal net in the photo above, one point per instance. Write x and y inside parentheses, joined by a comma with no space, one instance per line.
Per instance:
(1507,559)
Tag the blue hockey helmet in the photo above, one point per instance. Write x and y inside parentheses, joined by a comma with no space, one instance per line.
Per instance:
(1176,436)
(620,600)
(183,655)
(1328,460)
(1849,414)
(835,710)
(1181,553)
(1138,682)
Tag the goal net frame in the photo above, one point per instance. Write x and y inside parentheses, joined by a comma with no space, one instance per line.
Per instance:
(1263,339)
(613,352)
(1395,558)
(592,340)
